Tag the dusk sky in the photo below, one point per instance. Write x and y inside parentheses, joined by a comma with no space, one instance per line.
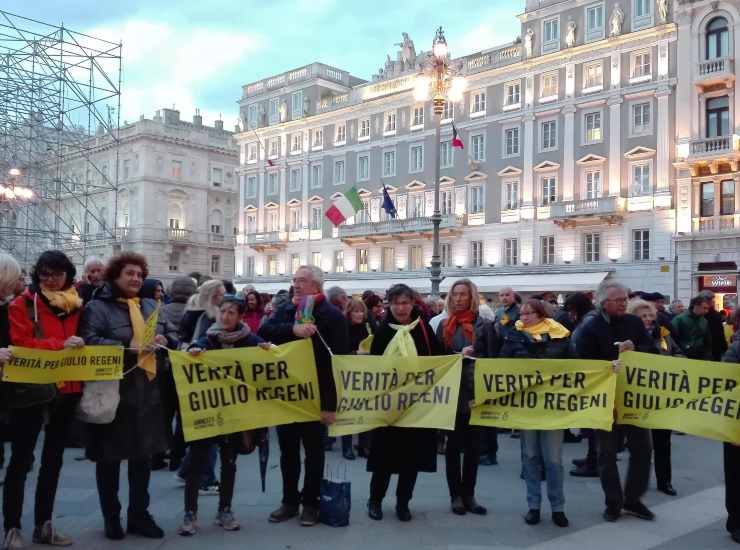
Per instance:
(199,53)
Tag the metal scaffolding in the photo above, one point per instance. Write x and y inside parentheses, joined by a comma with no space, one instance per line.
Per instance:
(59,106)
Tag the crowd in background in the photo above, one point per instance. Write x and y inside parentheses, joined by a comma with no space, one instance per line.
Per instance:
(111,302)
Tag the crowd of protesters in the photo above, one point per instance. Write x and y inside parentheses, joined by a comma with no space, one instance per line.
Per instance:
(110,305)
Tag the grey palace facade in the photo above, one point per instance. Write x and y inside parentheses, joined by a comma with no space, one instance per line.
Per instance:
(602,142)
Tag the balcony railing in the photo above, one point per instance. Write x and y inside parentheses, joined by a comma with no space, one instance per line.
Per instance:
(713,224)
(409,225)
(586,207)
(712,146)
(176,234)
(716,67)
(269,238)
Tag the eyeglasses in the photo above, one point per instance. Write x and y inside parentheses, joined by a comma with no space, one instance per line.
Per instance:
(51,274)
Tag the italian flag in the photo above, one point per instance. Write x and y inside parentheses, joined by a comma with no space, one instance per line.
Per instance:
(344,207)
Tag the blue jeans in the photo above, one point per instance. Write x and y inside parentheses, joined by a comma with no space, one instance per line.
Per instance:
(208,473)
(543,450)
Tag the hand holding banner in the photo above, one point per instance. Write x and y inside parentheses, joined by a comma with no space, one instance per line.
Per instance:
(410,392)
(232,390)
(543,394)
(39,366)
(697,397)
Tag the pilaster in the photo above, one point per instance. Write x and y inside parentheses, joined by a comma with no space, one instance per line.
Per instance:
(568,185)
(615,147)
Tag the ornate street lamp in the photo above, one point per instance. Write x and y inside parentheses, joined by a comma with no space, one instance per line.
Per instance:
(439,81)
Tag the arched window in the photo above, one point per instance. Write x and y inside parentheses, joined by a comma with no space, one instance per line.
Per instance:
(718,38)
(174,216)
(217,222)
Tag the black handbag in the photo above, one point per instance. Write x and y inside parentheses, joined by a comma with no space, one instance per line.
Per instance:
(21,395)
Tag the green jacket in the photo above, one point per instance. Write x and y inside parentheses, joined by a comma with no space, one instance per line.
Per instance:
(692,335)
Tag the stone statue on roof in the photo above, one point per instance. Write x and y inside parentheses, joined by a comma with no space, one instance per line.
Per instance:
(407,54)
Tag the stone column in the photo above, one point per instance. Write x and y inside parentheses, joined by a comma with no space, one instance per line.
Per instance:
(615,147)
(282,213)
(663,139)
(569,160)
(261,201)
(528,161)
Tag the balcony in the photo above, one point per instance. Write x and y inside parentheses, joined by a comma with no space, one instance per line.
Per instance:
(399,230)
(714,224)
(222,241)
(602,210)
(715,71)
(179,235)
(267,242)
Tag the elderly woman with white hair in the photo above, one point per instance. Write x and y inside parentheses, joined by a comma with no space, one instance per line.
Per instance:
(201,311)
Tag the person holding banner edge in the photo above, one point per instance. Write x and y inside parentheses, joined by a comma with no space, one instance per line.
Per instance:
(45,316)
(227,332)
(118,317)
(308,315)
(604,335)
(457,333)
(732,465)
(402,451)
(536,336)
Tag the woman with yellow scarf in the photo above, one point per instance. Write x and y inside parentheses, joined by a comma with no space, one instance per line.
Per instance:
(537,336)
(402,451)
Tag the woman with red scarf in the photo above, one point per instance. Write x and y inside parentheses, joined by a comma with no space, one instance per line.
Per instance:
(45,316)
(458,335)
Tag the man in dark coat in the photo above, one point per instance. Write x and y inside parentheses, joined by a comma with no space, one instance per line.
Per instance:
(327,328)
(732,465)
(604,335)
(716,328)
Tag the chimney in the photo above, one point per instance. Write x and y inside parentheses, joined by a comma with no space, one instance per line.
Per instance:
(171,116)
(197,119)
(219,124)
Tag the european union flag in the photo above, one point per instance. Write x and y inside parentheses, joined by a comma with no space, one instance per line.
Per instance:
(388,205)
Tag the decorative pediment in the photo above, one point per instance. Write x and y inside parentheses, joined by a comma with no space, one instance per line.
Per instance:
(177,194)
(416,185)
(446,180)
(639,152)
(475,176)
(591,159)
(316,198)
(271,205)
(294,202)
(250,208)
(547,166)
(510,171)
(336,196)
(364,192)
(390,188)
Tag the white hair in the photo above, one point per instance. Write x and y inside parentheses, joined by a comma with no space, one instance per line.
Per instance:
(604,288)
(316,274)
(10,271)
(92,261)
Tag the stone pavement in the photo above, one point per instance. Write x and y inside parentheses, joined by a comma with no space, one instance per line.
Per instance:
(693,520)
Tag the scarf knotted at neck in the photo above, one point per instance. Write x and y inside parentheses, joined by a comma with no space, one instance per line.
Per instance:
(465,320)
(147,361)
(65,300)
(228,337)
(546,326)
(402,343)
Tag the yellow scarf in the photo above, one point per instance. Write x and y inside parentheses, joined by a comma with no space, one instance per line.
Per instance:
(547,326)
(147,361)
(66,300)
(402,343)
(664,333)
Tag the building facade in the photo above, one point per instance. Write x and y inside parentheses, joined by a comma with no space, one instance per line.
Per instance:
(571,170)
(176,199)
(707,134)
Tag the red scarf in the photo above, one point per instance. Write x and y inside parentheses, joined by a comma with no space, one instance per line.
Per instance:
(465,320)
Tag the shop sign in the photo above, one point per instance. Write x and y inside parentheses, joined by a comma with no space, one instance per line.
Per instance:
(720,283)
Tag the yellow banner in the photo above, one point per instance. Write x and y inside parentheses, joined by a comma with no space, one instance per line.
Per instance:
(697,397)
(39,366)
(408,392)
(232,390)
(543,394)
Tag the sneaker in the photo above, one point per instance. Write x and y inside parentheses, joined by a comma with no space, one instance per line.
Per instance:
(532,517)
(639,510)
(144,526)
(309,516)
(213,489)
(189,525)
(284,513)
(45,534)
(611,514)
(13,540)
(180,480)
(560,519)
(226,520)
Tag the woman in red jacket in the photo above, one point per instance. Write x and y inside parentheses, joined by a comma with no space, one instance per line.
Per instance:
(45,316)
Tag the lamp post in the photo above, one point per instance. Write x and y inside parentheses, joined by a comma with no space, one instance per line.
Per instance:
(438,80)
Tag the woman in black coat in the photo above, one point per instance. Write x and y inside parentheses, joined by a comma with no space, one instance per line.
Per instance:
(137,431)
(402,451)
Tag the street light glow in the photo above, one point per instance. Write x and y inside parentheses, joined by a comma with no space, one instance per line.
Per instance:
(14,172)
(457,89)
(421,88)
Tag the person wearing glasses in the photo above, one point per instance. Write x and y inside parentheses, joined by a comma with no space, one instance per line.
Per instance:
(603,335)
(45,316)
